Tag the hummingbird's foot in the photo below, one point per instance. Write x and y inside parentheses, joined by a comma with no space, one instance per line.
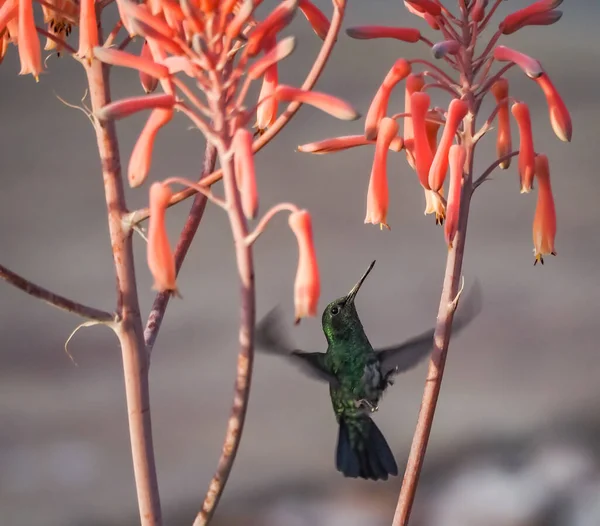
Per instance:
(454,303)
(365,404)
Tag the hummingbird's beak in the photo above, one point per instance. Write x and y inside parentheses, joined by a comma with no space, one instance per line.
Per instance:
(352,294)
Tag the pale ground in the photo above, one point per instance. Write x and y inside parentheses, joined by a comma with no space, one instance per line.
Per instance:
(530,358)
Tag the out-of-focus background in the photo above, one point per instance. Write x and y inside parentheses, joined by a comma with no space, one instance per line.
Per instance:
(516,434)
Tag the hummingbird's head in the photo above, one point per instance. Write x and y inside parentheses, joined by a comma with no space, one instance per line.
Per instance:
(340,316)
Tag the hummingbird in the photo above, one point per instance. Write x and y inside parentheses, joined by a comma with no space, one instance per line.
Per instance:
(357,374)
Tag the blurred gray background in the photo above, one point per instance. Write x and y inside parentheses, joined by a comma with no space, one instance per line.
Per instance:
(515,434)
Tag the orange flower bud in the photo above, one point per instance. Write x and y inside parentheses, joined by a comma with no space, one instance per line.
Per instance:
(559,114)
(88,28)
(446,47)
(277,19)
(539,19)
(432,128)
(414,83)
(503,141)
(30,53)
(148,82)
(141,157)
(456,156)
(519,18)
(126,107)
(274,52)
(318,21)
(404,34)
(307,287)
(425,6)
(421,13)
(344,143)
(234,28)
(377,195)
(378,108)
(478,10)
(422,151)
(544,221)
(161,261)
(245,172)
(437,173)
(520,112)
(531,67)
(322,101)
(266,113)
(121,58)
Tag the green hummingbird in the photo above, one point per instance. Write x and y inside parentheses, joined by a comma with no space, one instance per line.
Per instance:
(357,375)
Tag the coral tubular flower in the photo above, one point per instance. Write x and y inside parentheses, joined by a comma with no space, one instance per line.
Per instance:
(405,34)
(245,172)
(478,10)
(88,28)
(266,112)
(148,82)
(141,157)
(559,114)
(446,47)
(414,83)
(422,151)
(307,287)
(521,114)
(30,54)
(317,20)
(377,195)
(274,52)
(337,144)
(58,24)
(234,28)
(540,19)
(432,127)
(161,261)
(544,221)
(456,156)
(519,18)
(378,108)
(277,19)
(531,67)
(322,101)
(8,16)
(503,142)
(121,58)
(126,107)
(437,173)
(425,6)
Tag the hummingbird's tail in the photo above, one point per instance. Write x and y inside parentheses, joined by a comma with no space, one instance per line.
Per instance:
(362,450)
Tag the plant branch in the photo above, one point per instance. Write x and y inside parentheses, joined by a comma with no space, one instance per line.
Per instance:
(55,300)
(482,178)
(186,237)
(129,330)
(142,214)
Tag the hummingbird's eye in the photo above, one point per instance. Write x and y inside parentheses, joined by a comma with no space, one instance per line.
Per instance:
(335,309)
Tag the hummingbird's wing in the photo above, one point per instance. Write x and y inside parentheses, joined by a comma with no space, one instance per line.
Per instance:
(399,358)
(271,337)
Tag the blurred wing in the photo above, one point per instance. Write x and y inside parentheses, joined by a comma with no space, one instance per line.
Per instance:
(399,358)
(271,337)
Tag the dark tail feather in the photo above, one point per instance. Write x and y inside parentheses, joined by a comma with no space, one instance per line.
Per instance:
(369,457)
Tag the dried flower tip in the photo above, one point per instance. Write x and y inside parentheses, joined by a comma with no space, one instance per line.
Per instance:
(28,45)
(544,221)
(521,114)
(245,172)
(559,114)
(422,150)
(161,260)
(141,157)
(519,18)
(328,103)
(405,34)
(457,110)
(446,47)
(126,107)
(456,156)
(378,108)
(531,67)
(377,194)
(307,287)
(503,141)
(317,20)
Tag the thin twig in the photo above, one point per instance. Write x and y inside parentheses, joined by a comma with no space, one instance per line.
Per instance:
(185,240)
(56,40)
(311,79)
(482,178)
(129,330)
(56,300)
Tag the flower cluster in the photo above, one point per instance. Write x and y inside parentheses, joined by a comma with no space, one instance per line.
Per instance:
(470,81)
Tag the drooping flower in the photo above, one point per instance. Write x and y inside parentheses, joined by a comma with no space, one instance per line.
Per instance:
(559,114)
(317,20)
(414,83)
(544,222)
(88,28)
(521,114)
(377,194)
(161,260)
(307,286)
(503,141)
(456,156)
(334,106)
(60,21)
(531,67)
(141,157)
(437,173)
(30,54)
(266,113)
(422,150)
(245,172)
(378,108)
(126,107)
